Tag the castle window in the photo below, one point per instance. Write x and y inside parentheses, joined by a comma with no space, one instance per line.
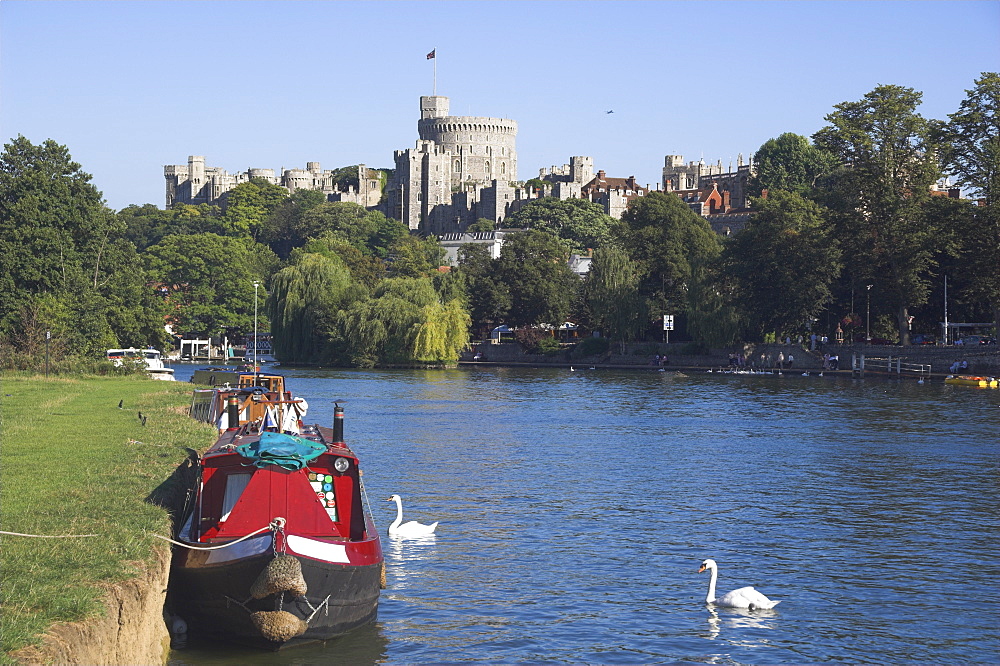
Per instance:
(458,165)
(503,167)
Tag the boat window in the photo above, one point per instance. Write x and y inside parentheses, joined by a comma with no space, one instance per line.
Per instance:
(235,485)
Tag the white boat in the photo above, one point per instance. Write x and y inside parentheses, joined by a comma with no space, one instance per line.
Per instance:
(151,357)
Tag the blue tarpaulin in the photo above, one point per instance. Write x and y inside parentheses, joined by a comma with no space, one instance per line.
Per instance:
(286,451)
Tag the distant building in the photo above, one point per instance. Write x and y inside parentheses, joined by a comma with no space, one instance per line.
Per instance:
(195,183)
(614,194)
(678,176)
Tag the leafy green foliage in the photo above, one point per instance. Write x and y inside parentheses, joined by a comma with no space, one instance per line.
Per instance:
(579,224)
(533,266)
(147,225)
(67,267)
(248,204)
(783,264)
(303,305)
(971,151)
(887,151)
(209,280)
(487,296)
(412,256)
(790,163)
(666,239)
(612,291)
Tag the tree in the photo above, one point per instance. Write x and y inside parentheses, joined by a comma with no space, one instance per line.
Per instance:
(579,223)
(283,229)
(782,265)
(147,225)
(365,269)
(371,232)
(303,304)
(53,224)
(249,204)
(888,157)
(209,280)
(487,296)
(666,240)
(972,152)
(443,333)
(482,224)
(612,292)
(66,264)
(533,266)
(790,163)
(404,323)
(412,256)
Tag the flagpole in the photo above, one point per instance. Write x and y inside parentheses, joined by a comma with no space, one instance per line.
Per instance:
(435,71)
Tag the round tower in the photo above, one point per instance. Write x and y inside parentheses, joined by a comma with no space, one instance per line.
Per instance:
(482,149)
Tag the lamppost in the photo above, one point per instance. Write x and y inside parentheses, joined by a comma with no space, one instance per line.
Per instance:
(868,316)
(255,285)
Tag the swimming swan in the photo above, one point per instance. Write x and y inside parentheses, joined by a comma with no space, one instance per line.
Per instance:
(410,528)
(744,597)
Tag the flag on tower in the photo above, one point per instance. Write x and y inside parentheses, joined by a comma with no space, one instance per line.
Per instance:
(430,56)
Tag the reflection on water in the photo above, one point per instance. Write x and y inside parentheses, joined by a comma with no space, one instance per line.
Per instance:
(740,619)
(575,508)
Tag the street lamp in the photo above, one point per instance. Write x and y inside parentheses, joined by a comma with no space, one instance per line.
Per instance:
(868,316)
(255,285)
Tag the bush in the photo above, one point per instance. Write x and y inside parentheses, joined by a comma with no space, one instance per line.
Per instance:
(591,347)
(548,346)
(646,349)
(695,349)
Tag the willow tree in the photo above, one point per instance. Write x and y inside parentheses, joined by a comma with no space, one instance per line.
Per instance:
(443,333)
(404,323)
(303,304)
(612,292)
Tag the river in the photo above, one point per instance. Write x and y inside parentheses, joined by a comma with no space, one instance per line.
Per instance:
(576,506)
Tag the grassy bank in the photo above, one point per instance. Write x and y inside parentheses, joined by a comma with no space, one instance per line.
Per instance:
(75,463)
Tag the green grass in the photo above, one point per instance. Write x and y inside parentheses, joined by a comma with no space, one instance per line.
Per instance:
(74,463)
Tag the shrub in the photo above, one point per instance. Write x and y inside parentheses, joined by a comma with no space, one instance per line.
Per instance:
(695,349)
(591,347)
(548,346)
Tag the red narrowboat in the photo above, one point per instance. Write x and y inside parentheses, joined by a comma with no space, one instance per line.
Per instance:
(277,545)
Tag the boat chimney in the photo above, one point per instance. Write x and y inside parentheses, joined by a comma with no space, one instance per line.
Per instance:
(338,424)
(233,413)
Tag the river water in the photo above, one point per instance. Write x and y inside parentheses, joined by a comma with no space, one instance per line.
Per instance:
(575,509)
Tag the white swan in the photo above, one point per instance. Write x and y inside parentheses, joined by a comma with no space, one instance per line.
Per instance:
(410,528)
(744,597)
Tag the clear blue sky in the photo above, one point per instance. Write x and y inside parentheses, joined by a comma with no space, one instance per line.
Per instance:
(132,86)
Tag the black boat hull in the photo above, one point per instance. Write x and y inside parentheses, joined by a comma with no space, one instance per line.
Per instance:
(215,599)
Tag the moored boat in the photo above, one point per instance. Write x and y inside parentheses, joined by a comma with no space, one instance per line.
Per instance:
(971,380)
(276,546)
(152,358)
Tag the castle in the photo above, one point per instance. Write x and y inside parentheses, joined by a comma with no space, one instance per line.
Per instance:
(463,169)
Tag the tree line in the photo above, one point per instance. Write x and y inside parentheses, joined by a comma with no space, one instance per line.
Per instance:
(844,223)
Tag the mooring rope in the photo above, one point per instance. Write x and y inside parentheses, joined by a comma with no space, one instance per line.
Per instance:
(49,536)
(276,524)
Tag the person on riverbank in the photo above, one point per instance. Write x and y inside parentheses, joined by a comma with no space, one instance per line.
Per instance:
(791,359)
